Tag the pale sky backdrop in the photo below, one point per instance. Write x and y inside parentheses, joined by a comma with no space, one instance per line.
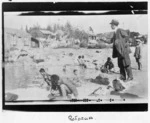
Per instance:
(99,23)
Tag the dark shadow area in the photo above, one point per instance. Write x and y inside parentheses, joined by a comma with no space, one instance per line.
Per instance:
(100,80)
(125,95)
(61,6)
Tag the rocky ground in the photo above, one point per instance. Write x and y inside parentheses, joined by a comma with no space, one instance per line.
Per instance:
(22,76)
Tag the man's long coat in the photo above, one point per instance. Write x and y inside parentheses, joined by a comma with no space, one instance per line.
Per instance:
(120,48)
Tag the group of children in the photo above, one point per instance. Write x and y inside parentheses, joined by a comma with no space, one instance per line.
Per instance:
(66,87)
(60,88)
(108,66)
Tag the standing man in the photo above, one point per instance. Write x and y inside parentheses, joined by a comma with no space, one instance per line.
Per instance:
(121,51)
(138,54)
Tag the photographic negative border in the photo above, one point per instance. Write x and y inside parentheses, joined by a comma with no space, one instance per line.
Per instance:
(77,8)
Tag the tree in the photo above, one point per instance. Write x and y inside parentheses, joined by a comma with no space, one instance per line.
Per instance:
(49,28)
(91,29)
(54,28)
(68,28)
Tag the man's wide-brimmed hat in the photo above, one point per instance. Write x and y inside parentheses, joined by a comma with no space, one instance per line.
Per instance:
(115,22)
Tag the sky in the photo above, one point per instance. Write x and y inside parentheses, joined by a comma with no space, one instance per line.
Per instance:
(99,23)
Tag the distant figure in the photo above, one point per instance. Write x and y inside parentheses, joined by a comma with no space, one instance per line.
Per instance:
(55,83)
(75,72)
(109,65)
(138,54)
(96,66)
(76,79)
(64,68)
(81,61)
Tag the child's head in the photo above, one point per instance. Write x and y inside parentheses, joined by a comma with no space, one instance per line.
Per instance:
(55,78)
(79,57)
(108,59)
(42,71)
(75,71)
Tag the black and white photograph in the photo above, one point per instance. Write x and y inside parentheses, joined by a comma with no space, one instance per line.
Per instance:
(84,57)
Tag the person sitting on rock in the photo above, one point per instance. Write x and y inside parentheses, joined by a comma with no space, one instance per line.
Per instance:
(55,84)
(109,65)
